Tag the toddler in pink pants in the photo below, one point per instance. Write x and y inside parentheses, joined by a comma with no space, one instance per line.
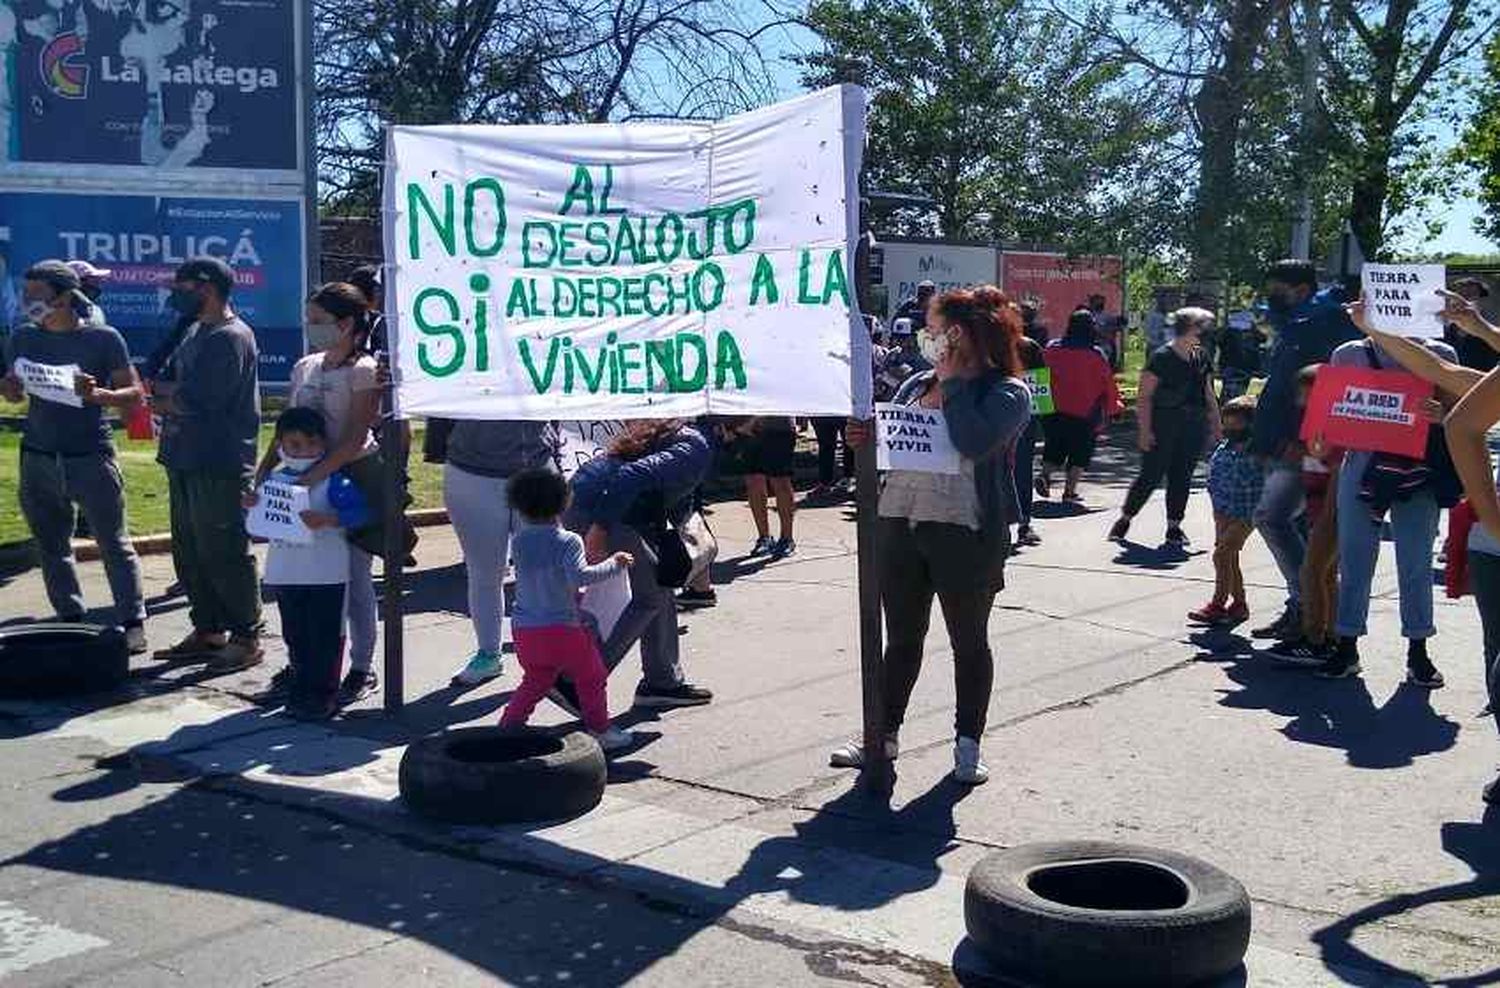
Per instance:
(551,640)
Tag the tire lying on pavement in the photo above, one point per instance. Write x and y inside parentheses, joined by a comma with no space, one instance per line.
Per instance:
(57,659)
(503,775)
(1097,913)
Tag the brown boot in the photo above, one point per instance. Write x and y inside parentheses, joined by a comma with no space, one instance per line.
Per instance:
(197,645)
(241,653)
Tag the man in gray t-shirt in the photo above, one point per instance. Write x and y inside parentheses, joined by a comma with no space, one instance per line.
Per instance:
(67,452)
(210,418)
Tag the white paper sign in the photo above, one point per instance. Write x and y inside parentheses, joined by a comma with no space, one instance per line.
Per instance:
(909,437)
(581,441)
(49,382)
(616,271)
(1402,299)
(606,601)
(277,514)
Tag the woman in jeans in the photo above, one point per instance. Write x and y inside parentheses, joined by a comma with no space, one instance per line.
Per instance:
(948,535)
(1467,429)
(621,500)
(338,379)
(481,456)
(1176,416)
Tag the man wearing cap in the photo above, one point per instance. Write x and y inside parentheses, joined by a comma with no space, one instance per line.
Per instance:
(915,308)
(210,421)
(67,451)
(91,283)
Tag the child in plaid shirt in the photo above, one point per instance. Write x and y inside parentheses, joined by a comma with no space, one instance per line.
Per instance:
(1235,479)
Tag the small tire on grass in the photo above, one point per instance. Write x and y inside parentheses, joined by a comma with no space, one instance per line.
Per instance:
(57,659)
(1087,913)
(503,775)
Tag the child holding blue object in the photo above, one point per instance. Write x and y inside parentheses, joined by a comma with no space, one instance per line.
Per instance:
(310,577)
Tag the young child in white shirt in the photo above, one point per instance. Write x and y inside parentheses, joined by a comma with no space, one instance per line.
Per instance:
(309,577)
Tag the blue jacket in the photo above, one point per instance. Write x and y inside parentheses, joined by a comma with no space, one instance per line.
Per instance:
(1306,335)
(609,491)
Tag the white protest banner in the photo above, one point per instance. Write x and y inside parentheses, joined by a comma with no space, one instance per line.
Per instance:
(580,441)
(908,437)
(606,601)
(277,515)
(1402,299)
(49,382)
(613,271)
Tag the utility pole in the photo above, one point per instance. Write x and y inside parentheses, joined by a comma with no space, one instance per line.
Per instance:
(1302,229)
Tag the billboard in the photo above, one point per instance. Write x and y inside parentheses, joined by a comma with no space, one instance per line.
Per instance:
(151,84)
(142,240)
(946,265)
(1060,283)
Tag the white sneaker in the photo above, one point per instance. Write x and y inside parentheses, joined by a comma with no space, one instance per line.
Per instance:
(613,739)
(482,667)
(852,754)
(968,768)
(135,639)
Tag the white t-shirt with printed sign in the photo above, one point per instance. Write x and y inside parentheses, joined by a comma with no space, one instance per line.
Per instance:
(331,391)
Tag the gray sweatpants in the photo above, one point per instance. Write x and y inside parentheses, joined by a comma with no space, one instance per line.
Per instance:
(650,617)
(50,488)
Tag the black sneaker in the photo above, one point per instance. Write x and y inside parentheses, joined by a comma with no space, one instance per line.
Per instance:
(279,688)
(681,695)
(1176,536)
(312,710)
(1301,652)
(1119,530)
(1422,673)
(690,600)
(1341,665)
(357,684)
(565,695)
(1026,535)
(1285,628)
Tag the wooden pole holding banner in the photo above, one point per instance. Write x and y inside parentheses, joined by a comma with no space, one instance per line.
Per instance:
(393,481)
(876,776)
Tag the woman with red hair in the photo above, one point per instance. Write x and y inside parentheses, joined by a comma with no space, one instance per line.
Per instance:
(948,535)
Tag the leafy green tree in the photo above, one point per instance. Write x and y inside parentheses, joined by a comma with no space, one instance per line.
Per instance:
(1007,117)
(1481,146)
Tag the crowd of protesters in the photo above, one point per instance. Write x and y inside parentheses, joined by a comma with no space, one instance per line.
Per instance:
(633,512)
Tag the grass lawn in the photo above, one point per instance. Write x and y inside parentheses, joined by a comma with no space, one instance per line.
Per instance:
(146,483)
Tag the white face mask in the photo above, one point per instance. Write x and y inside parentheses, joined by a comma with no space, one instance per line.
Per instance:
(933,348)
(298,464)
(321,335)
(37,310)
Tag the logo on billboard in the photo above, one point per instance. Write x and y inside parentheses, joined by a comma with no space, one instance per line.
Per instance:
(61,68)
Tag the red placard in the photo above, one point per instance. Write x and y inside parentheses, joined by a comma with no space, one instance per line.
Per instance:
(1059,284)
(1364,408)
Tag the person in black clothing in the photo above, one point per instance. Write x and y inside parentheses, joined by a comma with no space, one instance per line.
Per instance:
(1472,352)
(1031,323)
(1240,350)
(1176,414)
(915,308)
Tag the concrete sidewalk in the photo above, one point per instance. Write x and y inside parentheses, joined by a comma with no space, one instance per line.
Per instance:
(1351,810)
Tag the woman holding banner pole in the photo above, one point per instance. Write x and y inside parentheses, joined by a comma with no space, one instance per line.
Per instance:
(948,535)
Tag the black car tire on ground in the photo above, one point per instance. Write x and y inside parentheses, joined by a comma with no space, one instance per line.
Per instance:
(1085,913)
(503,775)
(57,659)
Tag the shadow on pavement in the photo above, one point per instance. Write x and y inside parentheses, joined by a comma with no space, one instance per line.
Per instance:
(1475,844)
(524,924)
(1342,713)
